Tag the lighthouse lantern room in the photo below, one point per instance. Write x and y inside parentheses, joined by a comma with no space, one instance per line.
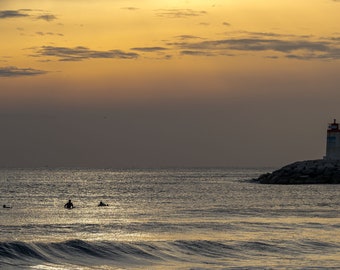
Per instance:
(333,141)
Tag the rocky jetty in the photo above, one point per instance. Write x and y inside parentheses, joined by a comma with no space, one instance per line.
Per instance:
(320,171)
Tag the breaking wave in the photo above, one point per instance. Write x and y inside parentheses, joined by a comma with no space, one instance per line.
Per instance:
(21,255)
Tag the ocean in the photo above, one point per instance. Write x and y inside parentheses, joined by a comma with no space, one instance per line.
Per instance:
(211,218)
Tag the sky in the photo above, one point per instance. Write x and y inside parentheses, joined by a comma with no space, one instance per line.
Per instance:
(146,84)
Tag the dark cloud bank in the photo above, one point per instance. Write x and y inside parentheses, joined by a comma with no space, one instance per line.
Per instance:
(298,47)
(80,53)
(291,47)
(165,134)
(29,13)
(19,72)
(7,14)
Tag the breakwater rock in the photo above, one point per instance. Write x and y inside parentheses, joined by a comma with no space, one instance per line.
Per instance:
(320,171)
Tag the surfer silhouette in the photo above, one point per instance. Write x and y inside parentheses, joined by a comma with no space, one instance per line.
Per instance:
(102,204)
(69,205)
(6,206)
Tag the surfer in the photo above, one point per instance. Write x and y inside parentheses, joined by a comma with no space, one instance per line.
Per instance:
(69,205)
(6,206)
(102,204)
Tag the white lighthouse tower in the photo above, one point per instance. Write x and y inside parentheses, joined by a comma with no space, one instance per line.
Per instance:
(333,141)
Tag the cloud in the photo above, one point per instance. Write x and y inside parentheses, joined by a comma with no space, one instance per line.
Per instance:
(81,53)
(130,8)
(258,44)
(332,54)
(179,13)
(226,24)
(197,53)
(7,14)
(19,72)
(29,13)
(270,34)
(47,17)
(184,37)
(298,47)
(149,49)
(48,34)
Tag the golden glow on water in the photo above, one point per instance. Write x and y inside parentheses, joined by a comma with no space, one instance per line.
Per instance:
(166,219)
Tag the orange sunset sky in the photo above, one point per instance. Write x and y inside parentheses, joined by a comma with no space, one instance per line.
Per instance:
(120,83)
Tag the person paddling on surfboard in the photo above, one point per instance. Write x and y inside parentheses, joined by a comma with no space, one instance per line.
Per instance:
(69,205)
(102,204)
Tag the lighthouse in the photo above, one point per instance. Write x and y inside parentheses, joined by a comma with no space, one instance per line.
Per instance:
(333,141)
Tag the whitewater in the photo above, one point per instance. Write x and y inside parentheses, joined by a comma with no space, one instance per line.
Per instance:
(212,218)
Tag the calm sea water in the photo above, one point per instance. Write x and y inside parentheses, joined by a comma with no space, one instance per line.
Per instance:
(165,219)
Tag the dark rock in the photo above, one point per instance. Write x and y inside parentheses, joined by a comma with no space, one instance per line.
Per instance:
(318,171)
